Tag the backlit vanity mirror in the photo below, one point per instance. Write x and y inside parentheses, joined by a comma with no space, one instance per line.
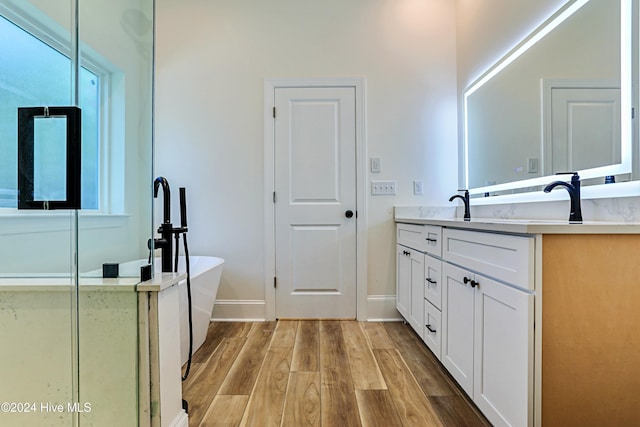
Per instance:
(559,101)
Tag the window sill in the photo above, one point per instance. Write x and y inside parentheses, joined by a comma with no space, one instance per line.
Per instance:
(28,222)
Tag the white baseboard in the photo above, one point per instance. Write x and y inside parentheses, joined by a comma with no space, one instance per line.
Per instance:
(382,308)
(238,310)
(181,420)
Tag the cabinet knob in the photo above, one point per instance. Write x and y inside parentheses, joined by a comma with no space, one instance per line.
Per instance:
(349,213)
(430,329)
(472,282)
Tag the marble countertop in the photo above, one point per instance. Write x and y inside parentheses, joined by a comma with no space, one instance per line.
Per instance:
(446,218)
(161,282)
(87,284)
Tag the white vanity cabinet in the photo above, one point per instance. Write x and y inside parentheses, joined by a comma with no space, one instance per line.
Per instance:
(458,327)
(418,281)
(578,364)
(409,286)
(433,304)
(469,295)
(487,323)
(488,343)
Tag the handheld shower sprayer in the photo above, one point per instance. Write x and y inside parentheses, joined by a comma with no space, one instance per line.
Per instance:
(183,208)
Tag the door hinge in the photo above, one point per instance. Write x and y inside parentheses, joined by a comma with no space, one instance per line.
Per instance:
(274,112)
(633,112)
(275,282)
(274,197)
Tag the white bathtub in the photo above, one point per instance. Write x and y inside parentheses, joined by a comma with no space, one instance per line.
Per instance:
(205,279)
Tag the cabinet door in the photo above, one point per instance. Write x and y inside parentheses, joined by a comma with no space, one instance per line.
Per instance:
(458,307)
(433,280)
(403,280)
(503,371)
(416,303)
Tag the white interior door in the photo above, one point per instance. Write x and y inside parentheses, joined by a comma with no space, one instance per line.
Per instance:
(585,128)
(315,202)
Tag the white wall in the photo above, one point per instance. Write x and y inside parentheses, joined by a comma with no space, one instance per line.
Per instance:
(211,61)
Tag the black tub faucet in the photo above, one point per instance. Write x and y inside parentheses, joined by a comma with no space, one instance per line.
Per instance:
(166,193)
(465,199)
(166,228)
(575,216)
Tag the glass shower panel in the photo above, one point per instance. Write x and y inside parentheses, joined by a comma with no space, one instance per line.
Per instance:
(38,293)
(49,158)
(69,336)
(116,46)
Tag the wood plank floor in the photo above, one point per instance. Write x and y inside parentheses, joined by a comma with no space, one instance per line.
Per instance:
(321,373)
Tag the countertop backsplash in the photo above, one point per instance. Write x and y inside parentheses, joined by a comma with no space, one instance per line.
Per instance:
(625,209)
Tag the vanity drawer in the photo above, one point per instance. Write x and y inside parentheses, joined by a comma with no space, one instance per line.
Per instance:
(433,240)
(411,235)
(424,238)
(433,280)
(432,331)
(504,257)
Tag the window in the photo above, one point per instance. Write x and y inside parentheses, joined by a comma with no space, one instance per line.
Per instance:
(33,73)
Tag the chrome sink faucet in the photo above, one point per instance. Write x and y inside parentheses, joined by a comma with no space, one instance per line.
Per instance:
(575,216)
(465,199)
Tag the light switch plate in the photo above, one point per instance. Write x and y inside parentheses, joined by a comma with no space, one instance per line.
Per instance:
(375,165)
(417,187)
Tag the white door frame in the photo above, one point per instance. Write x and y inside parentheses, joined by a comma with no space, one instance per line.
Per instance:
(359,84)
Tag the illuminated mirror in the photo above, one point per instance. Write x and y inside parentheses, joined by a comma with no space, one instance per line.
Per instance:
(554,103)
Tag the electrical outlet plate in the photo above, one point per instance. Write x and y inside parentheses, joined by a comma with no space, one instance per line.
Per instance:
(383,188)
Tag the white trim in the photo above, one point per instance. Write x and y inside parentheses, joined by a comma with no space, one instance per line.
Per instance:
(23,223)
(537,335)
(239,311)
(359,84)
(58,38)
(382,308)
(181,419)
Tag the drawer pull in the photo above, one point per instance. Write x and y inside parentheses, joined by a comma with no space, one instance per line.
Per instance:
(431,240)
(433,282)
(430,329)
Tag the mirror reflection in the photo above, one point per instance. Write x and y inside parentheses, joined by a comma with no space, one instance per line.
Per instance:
(555,107)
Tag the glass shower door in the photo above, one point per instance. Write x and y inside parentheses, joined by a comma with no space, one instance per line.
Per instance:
(69,337)
(38,286)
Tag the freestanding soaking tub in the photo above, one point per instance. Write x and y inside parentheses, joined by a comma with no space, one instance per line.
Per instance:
(205,279)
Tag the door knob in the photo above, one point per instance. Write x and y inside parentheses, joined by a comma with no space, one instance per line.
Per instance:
(348,213)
